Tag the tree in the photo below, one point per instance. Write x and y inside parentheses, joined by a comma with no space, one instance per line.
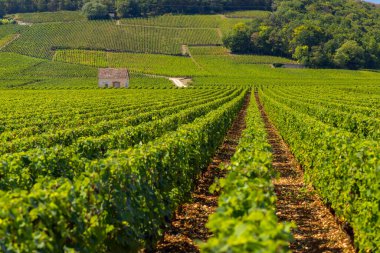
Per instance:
(301,54)
(372,48)
(239,41)
(95,10)
(41,5)
(313,31)
(128,8)
(2,9)
(260,39)
(350,55)
(308,35)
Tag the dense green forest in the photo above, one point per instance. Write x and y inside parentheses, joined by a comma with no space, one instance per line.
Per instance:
(319,33)
(135,7)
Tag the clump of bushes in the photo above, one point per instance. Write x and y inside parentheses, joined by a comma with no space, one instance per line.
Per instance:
(6,21)
(94,10)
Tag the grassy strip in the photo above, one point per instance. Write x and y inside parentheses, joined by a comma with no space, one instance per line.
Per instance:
(245,220)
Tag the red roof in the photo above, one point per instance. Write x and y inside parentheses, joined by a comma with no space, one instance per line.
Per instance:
(111,73)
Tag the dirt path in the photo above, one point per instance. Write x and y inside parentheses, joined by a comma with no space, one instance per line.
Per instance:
(317,229)
(195,62)
(180,82)
(190,219)
(23,23)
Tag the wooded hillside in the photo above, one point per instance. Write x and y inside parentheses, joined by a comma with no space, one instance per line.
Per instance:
(333,33)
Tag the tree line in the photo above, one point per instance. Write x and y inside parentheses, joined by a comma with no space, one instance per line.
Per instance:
(127,8)
(319,33)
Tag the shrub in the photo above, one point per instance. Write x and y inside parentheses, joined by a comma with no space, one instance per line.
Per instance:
(95,10)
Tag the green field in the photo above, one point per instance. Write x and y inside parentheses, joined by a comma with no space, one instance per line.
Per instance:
(49,17)
(68,30)
(247,14)
(6,30)
(41,40)
(139,63)
(179,21)
(84,169)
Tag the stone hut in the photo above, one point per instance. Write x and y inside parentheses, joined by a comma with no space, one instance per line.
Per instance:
(113,78)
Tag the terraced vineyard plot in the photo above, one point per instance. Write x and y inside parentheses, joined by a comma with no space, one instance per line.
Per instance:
(7,39)
(259,59)
(48,17)
(41,40)
(228,23)
(21,67)
(6,30)
(137,82)
(238,59)
(220,65)
(248,14)
(22,72)
(140,63)
(209,50)
(11,65)
(189,21)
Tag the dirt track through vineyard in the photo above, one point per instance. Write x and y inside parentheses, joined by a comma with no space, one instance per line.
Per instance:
(317,229)
(189,223)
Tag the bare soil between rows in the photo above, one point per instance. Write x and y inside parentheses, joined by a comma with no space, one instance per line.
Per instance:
(189,223)
(317,229)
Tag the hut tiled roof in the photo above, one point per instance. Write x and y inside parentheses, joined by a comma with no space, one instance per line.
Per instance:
(112,73)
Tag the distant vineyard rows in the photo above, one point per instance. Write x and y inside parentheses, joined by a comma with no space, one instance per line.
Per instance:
(41,40)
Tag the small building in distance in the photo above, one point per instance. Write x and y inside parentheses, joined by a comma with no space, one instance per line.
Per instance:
(113,78)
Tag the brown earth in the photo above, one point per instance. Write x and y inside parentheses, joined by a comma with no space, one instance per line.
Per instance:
(189,224)
(317,229)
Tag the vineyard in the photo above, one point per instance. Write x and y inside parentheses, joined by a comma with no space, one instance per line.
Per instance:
(77,166)
(40,40)
(247,14)
(88,169)
(139,63)
(50,17)
(178,21)
(22,72)
(336,138)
